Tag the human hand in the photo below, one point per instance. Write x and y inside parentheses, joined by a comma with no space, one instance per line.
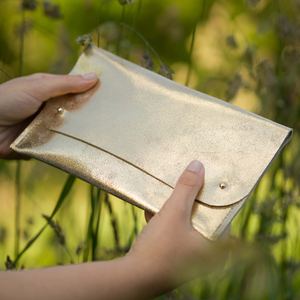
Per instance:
(21,99)
(169,248)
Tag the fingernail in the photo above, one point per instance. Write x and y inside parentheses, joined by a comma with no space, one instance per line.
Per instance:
(195,166)
(89,76)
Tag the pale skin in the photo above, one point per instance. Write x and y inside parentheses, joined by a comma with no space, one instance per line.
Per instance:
(167,253)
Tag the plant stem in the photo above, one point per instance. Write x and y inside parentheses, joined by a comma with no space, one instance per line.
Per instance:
(65,191)
(190,56)
(18,170)
(18,208)
(134,26)
(5,73)
(113,221)
(121,30)
(89,235)
(98,208)
(134,215)
(145,41)
(99,21)
(22,43)
(192,45)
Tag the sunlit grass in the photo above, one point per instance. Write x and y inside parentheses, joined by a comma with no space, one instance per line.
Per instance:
(269,218)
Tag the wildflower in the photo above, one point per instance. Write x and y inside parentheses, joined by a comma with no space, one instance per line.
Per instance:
(57,229)
(30,4)
(51,10)
(166,71)
(9,264)
(233,87)
(126,2)
(231,42)
(84,40)
(147,62)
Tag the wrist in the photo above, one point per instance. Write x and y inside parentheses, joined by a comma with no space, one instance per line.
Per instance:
(151,277)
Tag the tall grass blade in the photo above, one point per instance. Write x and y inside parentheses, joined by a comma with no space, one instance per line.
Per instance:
(113,221)
(192,45)
(89,236)
(18,208)
(18,171)
(65,191)
(96,230)
(5,73)
(121,30)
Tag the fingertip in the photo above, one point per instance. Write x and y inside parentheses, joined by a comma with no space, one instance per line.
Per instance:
(81,83)
(89,76)
(195,166)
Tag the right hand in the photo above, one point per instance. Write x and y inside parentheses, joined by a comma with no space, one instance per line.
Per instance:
(169,248)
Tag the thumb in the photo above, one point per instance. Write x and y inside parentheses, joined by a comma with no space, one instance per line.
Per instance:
(55,85)
(187,187)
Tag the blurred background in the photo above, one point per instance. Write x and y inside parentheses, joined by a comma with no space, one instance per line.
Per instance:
(244,52)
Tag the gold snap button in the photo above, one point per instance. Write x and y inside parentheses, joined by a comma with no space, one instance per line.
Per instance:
(222,185)
(60,110)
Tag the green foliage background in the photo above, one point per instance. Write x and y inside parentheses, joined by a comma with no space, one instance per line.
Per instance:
(244,52)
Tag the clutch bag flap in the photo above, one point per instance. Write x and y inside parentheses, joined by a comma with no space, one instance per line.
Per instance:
(135,131)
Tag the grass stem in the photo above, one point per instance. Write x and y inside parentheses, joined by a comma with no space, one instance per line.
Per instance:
(22,43)
(121,31)
(18,208)
(192,45)
(145,41)
(64,193)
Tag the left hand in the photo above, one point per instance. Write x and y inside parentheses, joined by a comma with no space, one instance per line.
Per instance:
(21,99)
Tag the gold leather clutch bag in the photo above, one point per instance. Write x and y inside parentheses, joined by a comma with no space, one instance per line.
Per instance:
(134,133)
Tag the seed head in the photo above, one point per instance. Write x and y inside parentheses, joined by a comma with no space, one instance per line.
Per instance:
(166,71)
(9,264)
(57,229)
(51,10)
(84,40)
(29,4)
(147,62)
(80,248)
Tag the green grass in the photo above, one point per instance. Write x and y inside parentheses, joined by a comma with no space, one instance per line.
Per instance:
(191,38)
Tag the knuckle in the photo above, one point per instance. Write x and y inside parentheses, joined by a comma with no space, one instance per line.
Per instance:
(70,82)
(69,78)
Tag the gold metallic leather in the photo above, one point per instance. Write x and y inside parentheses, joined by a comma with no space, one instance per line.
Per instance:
(135,132)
